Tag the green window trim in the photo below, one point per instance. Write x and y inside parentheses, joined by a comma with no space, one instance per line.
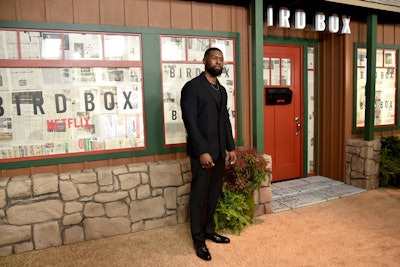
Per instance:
(376,128)
(152,85)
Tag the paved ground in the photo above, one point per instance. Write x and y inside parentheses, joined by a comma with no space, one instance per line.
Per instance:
(302,192)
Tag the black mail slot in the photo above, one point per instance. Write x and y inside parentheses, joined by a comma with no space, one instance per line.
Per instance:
(278,96)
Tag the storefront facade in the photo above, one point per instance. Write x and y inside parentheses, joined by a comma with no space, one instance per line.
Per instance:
(294,75)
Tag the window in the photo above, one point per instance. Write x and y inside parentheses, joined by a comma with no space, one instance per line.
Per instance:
(67,93)
(385,87)
(182,60)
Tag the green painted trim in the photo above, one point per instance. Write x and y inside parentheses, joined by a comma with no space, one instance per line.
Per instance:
(305,43)
(316,112)
(257,75)
(239,93)
(305,111)
(152,93)
(372,23)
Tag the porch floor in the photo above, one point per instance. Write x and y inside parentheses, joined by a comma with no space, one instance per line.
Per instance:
(291,194)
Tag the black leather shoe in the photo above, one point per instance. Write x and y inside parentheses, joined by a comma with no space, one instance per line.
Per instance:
(217,238)
(202,252)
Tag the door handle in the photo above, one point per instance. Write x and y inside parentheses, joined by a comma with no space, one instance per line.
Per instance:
(298,124)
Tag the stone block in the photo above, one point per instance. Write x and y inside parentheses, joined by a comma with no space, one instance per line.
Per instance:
(145,178)
(147,209)
(170,194)
(353,150)
(84,177)
(129,180)
(136,227)
(184,189)
(185,164)
(143,191)
(40,211)
(93,210)
(74,218)
(357,164)
(104,176)
(4,181)
(110,197)
(44,184)
(19,187)
(72,207)
(104,227)
(164,175)
(13,234)
(259,210)
(3,198)
(68,191)
(138,167)
(265,194)
(23,247)
(46,235)
(183,200)
(371,167)
(6,251)
(117,170)
(73,235)
(87,190)
(116,209)
(183,213)
(187,177)
(367,152)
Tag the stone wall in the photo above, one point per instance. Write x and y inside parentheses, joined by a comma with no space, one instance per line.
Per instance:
(47,210)
(362,163)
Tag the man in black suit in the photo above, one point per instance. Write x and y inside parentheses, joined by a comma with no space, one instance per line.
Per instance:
(209,136)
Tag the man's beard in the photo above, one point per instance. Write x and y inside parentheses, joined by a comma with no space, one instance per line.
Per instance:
(213,72)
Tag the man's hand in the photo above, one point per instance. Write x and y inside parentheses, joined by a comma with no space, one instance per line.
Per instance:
(206,161)
(232,157)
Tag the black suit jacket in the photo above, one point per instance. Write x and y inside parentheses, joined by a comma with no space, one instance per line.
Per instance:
(208,128)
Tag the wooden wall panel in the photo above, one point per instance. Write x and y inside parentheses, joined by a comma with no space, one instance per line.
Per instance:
(331,106)
(86,12)
(8,10)
(59,11)
(44,169)
(222,18)
(201,14)
(397,34)
(112,12)
(181,15)
(31,10)
(379,34)
(388,34)
(136,13)
(159,14)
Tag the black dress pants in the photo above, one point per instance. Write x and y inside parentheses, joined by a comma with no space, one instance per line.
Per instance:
(206,187)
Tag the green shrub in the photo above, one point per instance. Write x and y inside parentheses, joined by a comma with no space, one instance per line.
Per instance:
(389,163)
(235,209)
(232,211)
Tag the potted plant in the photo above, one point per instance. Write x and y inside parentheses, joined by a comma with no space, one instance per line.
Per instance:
(235,209)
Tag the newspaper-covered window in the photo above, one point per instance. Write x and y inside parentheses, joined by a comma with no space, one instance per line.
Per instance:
(385,87)
(72,93)
(181,61)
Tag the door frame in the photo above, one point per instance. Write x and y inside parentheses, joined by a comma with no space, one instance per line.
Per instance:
(305,43)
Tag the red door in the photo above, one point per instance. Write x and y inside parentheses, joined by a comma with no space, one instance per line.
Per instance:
(283,121)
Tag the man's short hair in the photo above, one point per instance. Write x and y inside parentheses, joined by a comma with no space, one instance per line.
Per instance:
(210,50)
